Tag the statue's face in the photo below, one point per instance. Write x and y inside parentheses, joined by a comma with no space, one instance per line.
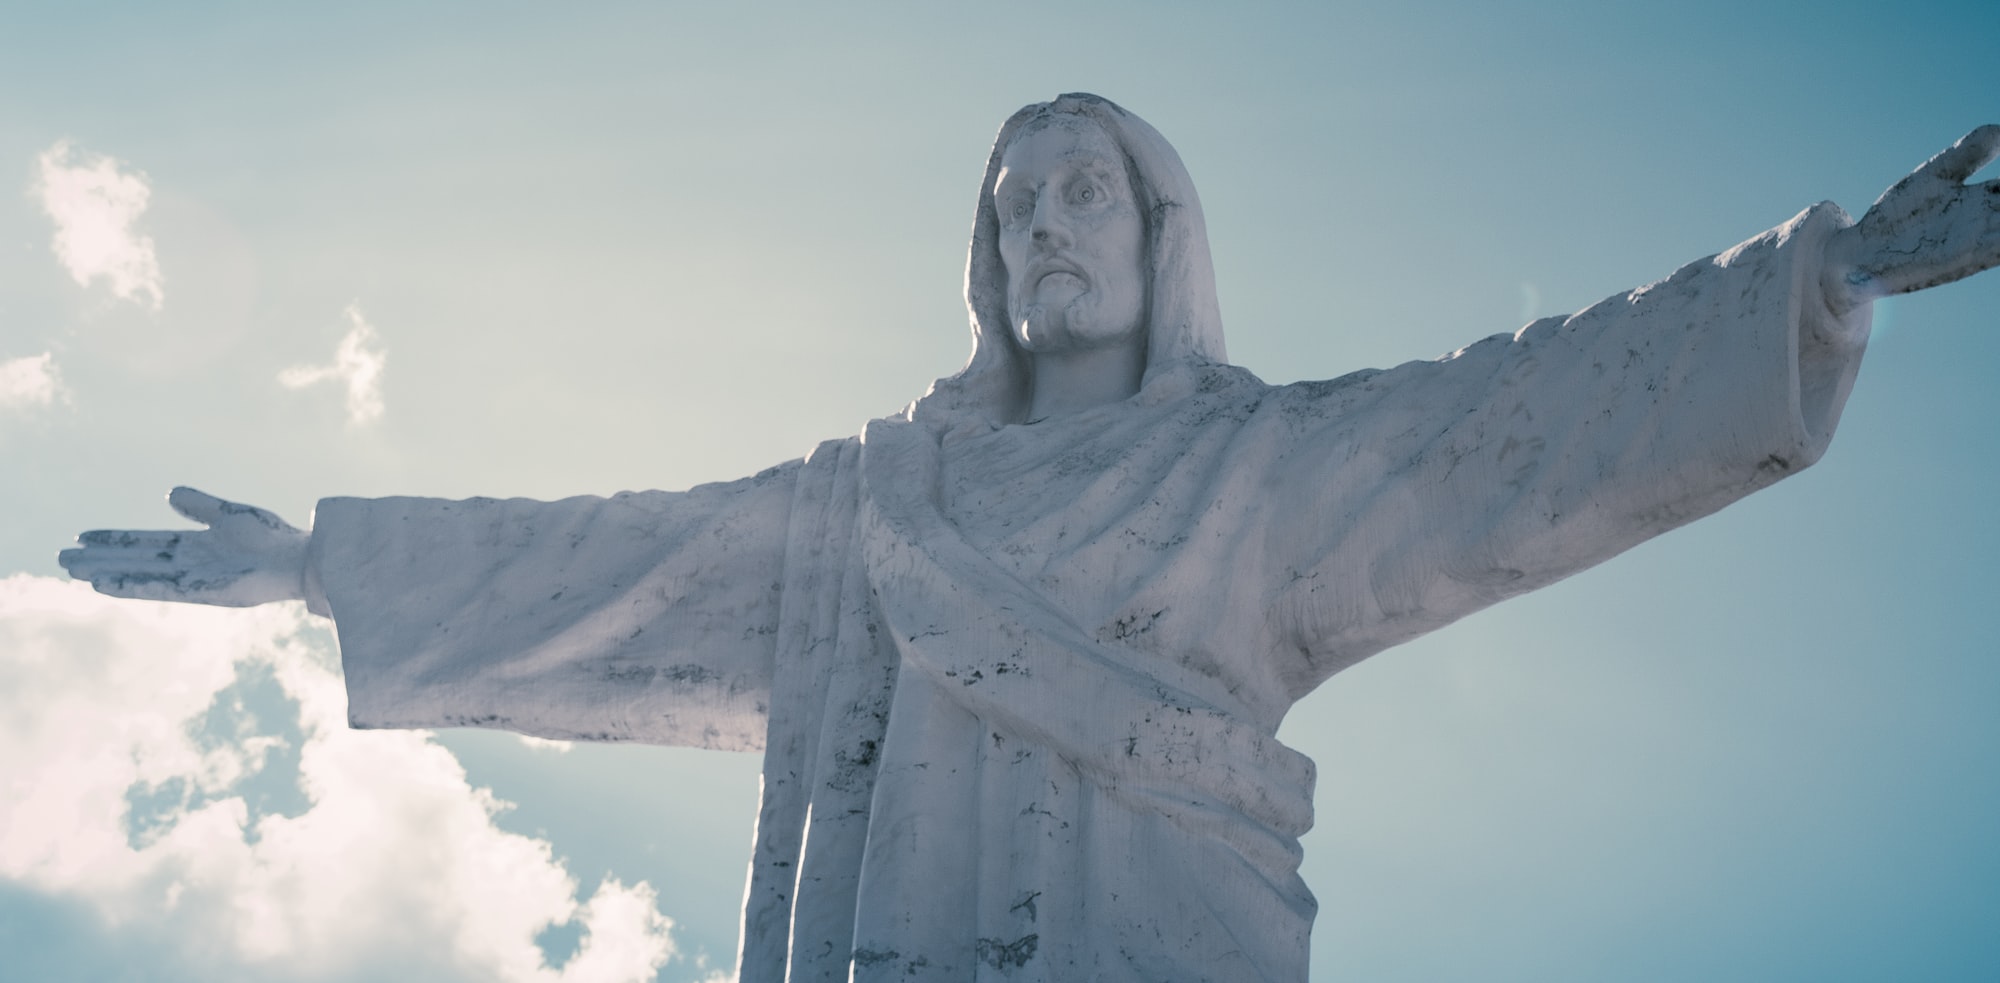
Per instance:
(1071,238)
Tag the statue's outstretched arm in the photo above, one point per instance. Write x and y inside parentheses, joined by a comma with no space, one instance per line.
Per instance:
(246,556)
(1930,229)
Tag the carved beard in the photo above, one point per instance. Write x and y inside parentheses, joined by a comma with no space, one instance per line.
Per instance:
(1043,327)
(1074,324)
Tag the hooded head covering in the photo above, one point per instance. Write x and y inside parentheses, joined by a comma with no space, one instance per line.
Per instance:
(1183,322)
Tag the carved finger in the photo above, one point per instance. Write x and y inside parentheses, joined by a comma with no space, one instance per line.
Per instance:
(100,557)
(198,505)
(137,539)
(101,570)
(96,564)
(72,559)
(1963,159)
(216,512)
(142,585)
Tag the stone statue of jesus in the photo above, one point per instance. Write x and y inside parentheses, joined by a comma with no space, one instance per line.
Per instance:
(1016,656)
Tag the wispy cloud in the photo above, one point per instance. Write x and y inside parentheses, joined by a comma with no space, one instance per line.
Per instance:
(187,773)
(545,744)
(30,381)
(357,365)
(95,202)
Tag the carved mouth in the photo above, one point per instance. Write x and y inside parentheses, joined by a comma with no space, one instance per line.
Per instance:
(1055,269)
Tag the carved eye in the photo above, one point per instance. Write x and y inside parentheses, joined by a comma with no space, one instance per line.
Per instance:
(1087,194)
(1020,209)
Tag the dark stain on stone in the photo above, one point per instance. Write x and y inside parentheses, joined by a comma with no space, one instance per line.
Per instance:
(861,758)
(1007,955)
(690,674)
(1134,625)
(1028,903)
(875,957)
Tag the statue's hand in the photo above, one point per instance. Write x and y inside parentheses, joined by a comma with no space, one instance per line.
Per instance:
(1931,228)
(246,556)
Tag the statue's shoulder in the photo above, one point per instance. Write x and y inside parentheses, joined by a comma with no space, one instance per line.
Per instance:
(1223,379)
(1337,396)
(1317,390)
(1414,388)
(1204,392)
(1417,379)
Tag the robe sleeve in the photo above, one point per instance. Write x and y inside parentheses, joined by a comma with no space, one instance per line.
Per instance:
(1412,497)
(646,616)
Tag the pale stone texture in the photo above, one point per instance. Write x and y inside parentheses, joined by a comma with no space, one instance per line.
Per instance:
(1016,657)
(1017,684)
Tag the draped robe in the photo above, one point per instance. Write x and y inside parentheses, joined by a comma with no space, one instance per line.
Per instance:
(1017,686)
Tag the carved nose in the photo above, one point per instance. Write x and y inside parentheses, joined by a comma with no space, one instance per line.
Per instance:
(1047,230)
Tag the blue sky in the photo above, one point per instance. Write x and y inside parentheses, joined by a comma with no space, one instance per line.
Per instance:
(646,246)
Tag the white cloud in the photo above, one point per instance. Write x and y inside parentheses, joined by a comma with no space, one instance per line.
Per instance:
(357,364)
(95,203)
(544,744)
(131,775)
(29,381)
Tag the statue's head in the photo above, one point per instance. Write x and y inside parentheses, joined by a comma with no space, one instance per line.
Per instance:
(1072,239)
(1087,231)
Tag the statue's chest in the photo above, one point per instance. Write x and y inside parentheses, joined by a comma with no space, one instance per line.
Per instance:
(1081,514)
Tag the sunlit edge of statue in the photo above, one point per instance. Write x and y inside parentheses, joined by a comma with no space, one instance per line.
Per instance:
(1017,656)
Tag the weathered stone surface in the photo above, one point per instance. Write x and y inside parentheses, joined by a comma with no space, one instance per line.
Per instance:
(1016,656)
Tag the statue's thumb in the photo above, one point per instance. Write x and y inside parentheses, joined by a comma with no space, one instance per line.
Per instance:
(197,505)
(1963,159)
